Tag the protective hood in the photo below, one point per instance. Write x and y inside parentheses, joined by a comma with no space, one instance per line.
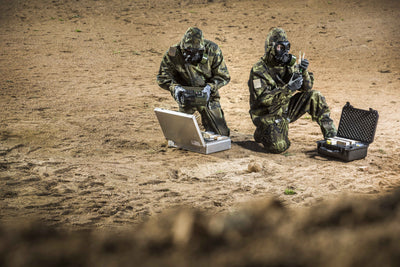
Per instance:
(277,36)
(274,36)
(192,39)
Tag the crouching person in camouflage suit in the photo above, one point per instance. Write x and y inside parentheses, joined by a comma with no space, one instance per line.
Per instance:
(274,103)
(196,62)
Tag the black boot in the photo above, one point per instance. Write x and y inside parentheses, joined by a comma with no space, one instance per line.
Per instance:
(258,135)
(327,127)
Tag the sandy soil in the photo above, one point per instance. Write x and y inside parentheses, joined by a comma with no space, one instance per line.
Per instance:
(81,148)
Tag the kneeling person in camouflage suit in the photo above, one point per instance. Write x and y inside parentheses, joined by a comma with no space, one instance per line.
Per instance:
(196,62)
(274,103)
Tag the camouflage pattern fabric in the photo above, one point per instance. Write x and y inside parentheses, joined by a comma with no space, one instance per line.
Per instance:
(273,135)
(273,106)
(274,36)
(212,117)
(193,38)
(212,70)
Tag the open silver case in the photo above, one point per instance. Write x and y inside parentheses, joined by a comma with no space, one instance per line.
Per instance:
(184,131)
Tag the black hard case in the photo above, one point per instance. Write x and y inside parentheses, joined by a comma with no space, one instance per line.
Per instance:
(355,124)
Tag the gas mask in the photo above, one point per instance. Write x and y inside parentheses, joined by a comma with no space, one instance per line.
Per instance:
(192,55)
(282,53)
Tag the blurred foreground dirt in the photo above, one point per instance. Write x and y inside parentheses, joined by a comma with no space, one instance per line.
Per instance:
(263,233)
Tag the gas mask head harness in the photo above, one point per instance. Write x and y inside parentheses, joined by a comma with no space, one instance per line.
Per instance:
(192,46)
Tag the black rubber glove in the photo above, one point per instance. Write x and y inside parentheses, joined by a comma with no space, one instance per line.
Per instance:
(304,64)
(295,82)
(178,94)
(207,90)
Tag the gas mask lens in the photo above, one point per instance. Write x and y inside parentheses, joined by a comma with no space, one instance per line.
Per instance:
(192,55)
(282,47)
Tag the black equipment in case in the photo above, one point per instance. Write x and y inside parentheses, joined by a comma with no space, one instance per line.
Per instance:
(355,132)
(194,96)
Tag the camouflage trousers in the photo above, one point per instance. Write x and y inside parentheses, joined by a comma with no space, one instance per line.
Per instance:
(212,117)
(272,130)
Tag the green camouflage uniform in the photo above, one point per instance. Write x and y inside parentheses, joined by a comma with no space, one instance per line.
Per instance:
(273,106)
(175,71)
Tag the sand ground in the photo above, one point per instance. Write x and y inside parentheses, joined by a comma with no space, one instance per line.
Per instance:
(81,148)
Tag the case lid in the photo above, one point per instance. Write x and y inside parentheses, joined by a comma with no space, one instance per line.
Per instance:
(358,124)
(180,127)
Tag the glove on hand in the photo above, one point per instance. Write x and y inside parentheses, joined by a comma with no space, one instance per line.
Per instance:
(304,64)
(207,90)
(295,82)
(178,91)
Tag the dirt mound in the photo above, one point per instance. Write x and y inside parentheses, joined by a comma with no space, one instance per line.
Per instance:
(262,233)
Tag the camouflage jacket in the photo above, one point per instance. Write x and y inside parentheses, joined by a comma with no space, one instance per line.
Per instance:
(212,70)
(269,95)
